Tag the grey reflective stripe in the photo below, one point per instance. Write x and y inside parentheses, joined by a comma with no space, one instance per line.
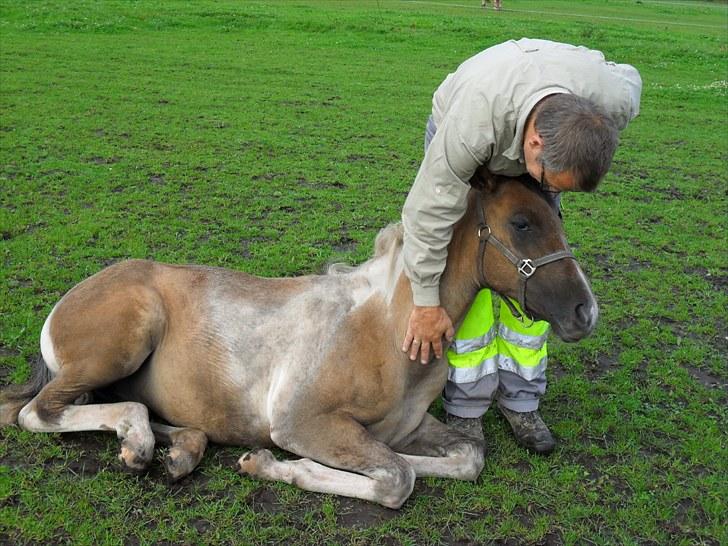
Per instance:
(522,340)
(468,375)
(462,346)
(526,372)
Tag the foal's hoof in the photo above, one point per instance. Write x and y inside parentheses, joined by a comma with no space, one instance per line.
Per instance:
(134,457)
(254,461)
(179,463)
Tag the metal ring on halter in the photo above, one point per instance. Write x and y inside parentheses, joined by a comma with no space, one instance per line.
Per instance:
(526,267)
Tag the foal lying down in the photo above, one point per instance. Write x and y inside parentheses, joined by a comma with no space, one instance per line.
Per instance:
(312,365)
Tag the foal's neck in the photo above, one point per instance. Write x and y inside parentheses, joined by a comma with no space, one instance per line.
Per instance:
(459,282)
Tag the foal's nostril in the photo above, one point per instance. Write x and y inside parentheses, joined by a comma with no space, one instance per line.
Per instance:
(583,315)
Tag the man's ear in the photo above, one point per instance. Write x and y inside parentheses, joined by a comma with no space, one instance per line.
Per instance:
(483,179)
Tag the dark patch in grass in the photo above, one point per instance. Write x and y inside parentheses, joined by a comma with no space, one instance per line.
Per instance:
(706,378)
(264,500)
(104,160)
(157,179)
(200,525)
(601,365)
(345,244)
(320,185)
(358,513)
(718,282)
(357,157)
(266,176)
(7,351)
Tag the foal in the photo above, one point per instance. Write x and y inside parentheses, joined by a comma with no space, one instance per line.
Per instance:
(311,364)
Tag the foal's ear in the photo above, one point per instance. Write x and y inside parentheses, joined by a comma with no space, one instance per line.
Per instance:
(484,180)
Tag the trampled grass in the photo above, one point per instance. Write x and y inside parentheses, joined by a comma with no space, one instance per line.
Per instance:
(274,137)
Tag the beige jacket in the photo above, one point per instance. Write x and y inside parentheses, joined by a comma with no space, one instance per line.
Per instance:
(480,113)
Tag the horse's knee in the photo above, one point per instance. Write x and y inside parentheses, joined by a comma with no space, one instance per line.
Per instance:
(27,418)
(395,484)
(472,460)
(36,417)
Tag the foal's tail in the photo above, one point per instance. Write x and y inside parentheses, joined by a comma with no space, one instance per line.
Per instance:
(14,397)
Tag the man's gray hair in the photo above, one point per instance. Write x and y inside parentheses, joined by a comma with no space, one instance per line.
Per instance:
(577,137)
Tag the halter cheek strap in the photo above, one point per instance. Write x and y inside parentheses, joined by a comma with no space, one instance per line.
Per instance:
(526,267)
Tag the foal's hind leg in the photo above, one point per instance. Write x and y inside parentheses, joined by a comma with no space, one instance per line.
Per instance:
(53,408)
(130,420)
(187,446)
(433,449)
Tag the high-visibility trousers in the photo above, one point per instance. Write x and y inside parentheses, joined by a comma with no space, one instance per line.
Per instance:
(482,345)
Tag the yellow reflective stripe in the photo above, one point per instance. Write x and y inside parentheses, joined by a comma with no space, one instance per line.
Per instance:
(526,372)
(523,356)
(479,317)
(474,358)
(461,346)
(522,340)
(468,375)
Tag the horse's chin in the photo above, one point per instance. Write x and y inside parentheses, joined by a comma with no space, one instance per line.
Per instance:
(569,336)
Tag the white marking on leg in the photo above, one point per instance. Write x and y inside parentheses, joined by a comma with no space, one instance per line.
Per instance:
(130,420)
(312,476)
(465,464)
(46,345)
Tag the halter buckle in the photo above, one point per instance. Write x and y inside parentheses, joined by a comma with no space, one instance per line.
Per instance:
(526,268)
(481,229)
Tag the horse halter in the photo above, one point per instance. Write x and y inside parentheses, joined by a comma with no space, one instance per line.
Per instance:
(526,266)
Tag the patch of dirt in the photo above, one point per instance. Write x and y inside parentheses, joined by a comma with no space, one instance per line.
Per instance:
(6,351)
(601,365)
(200,525)
(718,282)
(156,179)
(356,157)
(707,379)
(266,176)
(104,160)
(320,185)
(359,513)
(345,244)
(264,500)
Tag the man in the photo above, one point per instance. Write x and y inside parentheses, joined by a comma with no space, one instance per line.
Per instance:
(552,110)
(496,4)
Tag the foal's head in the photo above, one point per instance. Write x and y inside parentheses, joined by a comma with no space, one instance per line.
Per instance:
(522,219)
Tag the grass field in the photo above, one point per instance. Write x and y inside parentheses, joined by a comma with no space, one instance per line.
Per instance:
(274,137)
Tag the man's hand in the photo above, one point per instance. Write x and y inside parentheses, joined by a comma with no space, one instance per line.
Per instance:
(426,327)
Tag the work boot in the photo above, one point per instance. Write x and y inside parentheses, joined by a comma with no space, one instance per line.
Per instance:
(530,430)
(472,427)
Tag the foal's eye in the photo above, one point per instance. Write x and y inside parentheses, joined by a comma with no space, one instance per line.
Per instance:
(521,224)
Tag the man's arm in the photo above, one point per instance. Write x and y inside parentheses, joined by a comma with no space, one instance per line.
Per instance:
(438,199)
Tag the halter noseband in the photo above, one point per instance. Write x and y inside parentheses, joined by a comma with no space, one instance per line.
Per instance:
(526,266)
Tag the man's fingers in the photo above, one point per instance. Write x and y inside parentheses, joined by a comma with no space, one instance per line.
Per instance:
(414,349)
(425,353)
(450,334)
(437,346)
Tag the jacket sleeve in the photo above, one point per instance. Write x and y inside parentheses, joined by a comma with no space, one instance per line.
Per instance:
(438,199)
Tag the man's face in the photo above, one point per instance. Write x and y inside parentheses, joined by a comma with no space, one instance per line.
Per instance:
(550,180)
(557,182)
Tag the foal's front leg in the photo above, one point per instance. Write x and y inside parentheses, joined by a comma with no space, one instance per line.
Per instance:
(434,449)
(341,458)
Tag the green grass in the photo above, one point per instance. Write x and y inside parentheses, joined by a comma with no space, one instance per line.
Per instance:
(274,137)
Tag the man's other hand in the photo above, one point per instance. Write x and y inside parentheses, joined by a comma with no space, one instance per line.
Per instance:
(427,326)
